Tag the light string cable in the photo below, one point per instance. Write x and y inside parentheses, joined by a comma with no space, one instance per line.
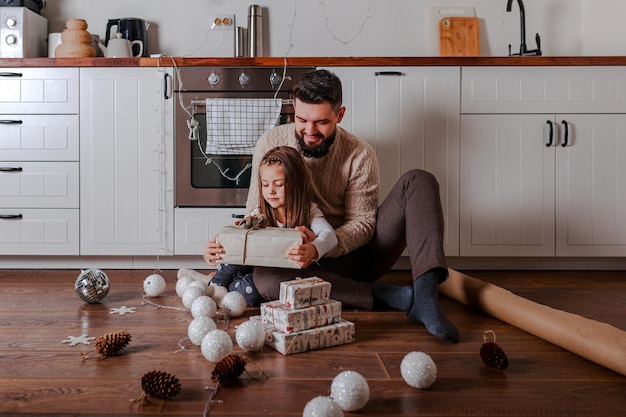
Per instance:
(356,35)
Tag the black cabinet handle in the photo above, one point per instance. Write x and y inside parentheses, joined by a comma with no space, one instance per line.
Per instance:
(10,74)
(10,169)
(551,135)
(10,216)
(166,96)
(237,216)
(10,122)
(566,134)
(398,73)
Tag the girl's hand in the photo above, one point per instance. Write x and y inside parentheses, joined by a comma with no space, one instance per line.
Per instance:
(305,253)
(212,252)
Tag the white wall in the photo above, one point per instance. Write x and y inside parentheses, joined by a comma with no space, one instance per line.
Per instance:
(358,27)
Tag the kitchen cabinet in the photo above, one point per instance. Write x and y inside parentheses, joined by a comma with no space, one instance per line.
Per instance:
(411,117)
(126,156)
(196,226)
(542,162)
(39,168)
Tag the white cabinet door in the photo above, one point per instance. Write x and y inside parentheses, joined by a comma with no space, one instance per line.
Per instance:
(196,226)
(591,186)
(126,163)
(507,186)
(411,117)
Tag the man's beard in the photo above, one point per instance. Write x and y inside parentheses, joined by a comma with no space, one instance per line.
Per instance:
(317,151)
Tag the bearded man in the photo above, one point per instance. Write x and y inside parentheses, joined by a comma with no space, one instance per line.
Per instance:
(371,238)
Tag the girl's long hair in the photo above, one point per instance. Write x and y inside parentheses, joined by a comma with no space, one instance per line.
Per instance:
(297,188)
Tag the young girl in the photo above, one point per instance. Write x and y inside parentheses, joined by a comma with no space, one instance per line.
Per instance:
(284,200)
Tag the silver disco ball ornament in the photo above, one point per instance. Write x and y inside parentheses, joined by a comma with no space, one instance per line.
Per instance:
(92,285)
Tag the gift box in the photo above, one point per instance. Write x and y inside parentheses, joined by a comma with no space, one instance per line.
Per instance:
(304,292)
(287,320)
(267,246)
(334,334)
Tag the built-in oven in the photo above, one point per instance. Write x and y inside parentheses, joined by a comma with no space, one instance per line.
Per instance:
(220,112)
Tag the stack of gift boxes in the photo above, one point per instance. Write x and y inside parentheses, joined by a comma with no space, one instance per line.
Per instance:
(305,318)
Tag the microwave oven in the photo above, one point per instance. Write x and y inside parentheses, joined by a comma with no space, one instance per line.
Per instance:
(22,33)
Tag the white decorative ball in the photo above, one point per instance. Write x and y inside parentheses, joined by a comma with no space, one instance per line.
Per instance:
(234,303)
(216,345)
(190,294)
(202,285)
(350,390)
(154,285)
(203,306)
(198,328)
(418,370)
(322,407)
(182,284)
(250,335)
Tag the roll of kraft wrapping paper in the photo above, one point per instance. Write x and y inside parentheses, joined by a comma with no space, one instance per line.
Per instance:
(596,341)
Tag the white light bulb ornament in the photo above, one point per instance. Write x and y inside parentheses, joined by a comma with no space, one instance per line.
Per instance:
(154,285)
(418,370)
(250,335)
(182,284)
(322,407)
(200,327)
(234,304)
(350,391)
(216,345)
(190,294)
(203,306)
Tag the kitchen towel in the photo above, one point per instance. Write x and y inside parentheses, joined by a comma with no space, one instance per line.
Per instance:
(234,125)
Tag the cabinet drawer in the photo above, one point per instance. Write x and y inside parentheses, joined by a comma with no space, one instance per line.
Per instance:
(25,137)
(543,90)
(39,184)
(39,232)
(39,90)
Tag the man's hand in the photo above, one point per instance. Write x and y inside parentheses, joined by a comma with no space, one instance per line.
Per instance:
(212,252)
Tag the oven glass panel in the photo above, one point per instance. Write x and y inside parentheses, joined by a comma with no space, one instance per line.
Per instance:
(217,171)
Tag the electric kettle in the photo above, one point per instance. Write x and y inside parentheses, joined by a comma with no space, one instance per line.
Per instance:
(132,29)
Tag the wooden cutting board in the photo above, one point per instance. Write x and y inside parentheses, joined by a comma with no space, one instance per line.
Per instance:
(459,36)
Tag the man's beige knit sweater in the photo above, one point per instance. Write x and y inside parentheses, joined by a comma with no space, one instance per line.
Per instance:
(344,184)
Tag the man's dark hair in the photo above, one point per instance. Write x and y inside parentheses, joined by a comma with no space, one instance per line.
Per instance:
(319,86)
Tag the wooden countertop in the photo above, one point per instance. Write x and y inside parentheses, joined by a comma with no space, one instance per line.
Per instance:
(317,61)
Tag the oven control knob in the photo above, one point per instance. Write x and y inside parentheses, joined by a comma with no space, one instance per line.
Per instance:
(213,79)
(11,40)
(275,79)
(244,79)
(11,23)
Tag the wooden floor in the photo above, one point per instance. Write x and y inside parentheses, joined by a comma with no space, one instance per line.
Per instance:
(41,375)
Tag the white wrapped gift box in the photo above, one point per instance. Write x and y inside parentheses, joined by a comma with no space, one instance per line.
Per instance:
(335,334)
(267,246)
(287,320)
(304,292)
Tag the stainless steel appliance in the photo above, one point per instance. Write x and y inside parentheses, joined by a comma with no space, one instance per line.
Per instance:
(205,178)
(22,33)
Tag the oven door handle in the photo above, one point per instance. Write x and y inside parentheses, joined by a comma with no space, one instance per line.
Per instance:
(166,77)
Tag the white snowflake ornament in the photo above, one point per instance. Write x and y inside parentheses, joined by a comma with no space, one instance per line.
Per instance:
(82,339)
(123,310)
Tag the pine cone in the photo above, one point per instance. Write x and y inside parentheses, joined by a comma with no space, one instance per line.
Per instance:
(228,369)
(493,356)
(160,385)
(110,344)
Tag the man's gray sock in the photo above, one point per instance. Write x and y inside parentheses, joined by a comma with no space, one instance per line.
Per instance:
(426,310)
(392,296)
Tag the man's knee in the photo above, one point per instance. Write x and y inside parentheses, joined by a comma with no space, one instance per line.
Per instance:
(421,179)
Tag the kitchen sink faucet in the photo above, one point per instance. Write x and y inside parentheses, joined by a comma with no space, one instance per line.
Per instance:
(522,17)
